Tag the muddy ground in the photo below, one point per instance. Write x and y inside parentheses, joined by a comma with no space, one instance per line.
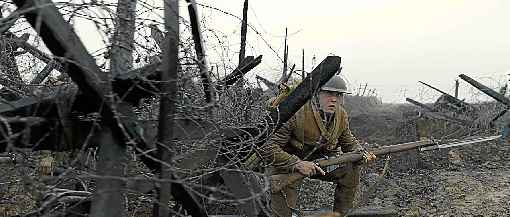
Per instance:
(465,181)
(467,186)
(472,180)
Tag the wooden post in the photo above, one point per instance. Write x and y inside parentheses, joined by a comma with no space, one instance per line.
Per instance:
(244,28)
(168,87)
(110,196)
(121,52)
(210,93)
(314,59)
(303,75)
(169,78)
(248,64)
(285,57)
(62,41)
(457,88)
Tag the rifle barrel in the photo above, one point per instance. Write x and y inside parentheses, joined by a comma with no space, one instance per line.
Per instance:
(353,157)
(279,181)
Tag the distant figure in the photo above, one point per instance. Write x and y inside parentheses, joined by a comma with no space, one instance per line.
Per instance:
(319,129)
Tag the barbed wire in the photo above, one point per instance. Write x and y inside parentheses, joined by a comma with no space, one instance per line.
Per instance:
(238,107)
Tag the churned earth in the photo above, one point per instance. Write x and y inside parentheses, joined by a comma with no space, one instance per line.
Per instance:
(472,180)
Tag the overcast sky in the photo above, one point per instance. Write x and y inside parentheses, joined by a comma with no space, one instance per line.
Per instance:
(389,44)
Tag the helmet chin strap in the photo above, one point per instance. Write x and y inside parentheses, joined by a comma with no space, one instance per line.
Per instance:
(327,116)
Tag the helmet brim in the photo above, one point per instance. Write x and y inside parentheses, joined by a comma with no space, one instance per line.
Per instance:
(335,90)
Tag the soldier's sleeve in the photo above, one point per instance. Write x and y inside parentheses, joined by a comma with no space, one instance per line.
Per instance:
(272,151)
(347,141)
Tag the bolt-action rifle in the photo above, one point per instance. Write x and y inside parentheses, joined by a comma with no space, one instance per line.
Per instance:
(279,181)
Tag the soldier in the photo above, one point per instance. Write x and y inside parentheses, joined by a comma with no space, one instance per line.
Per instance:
(319,129)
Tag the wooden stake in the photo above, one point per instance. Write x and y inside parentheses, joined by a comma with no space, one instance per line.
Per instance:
(303,65)
(244,25)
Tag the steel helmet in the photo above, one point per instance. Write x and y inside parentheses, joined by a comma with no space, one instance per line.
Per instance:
(336,84)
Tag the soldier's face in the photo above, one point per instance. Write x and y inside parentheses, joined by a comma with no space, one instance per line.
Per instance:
(329,100)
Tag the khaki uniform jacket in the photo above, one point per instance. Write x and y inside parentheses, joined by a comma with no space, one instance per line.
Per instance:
(303,132)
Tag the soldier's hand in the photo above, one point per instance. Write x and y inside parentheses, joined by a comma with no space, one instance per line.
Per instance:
(308,168)
(368,157)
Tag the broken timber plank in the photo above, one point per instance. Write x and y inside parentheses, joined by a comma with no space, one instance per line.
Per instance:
(38,79)
(247,65)
(305,90)
(455,100)
(421,105)
(434,113)
(490,92)
(268,83)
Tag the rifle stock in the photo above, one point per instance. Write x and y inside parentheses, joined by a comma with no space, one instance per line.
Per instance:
(279,181)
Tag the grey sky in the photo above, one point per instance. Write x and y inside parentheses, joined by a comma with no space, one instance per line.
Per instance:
(388,44)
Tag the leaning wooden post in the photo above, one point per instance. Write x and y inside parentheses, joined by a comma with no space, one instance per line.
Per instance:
(454,100)
(304,91)
(490,92)
(210,93)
